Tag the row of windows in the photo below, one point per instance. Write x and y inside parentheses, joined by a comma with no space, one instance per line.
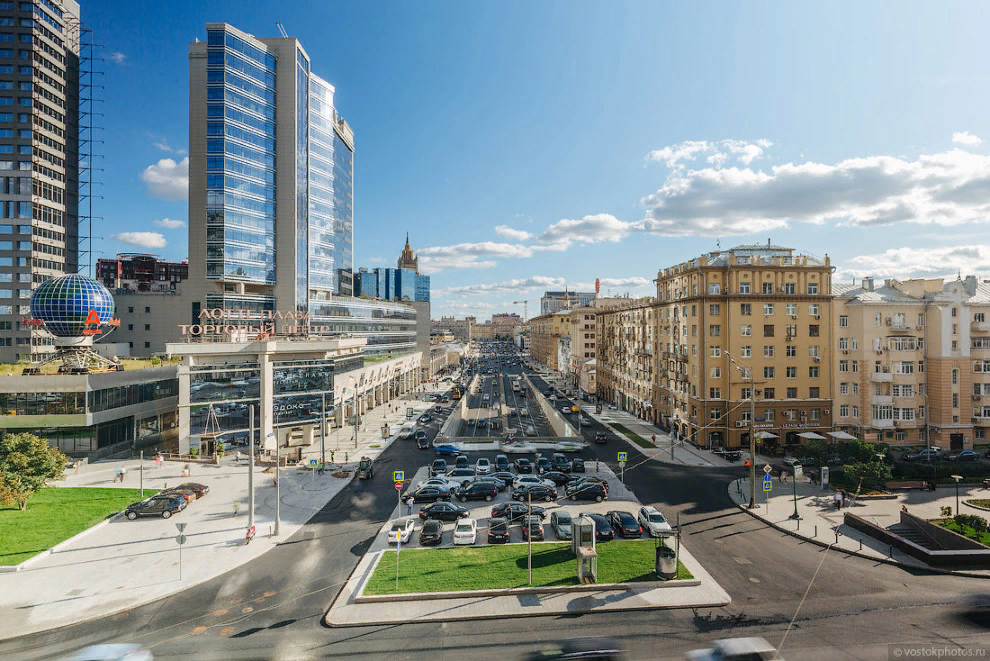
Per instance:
(51,66)
(241,101)
(51,158)
(767,288)
(48,126)
(51,112)
(49,214)
(46,249)
(111,398)
(49,234)
(15,209)
(238,82)
(220,146)
(46,264)
(220,38)
(746,330)
(217,163)
(49,142)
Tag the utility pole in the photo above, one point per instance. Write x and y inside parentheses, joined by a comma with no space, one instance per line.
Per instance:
(752,443)
(529,534)
(323,431)
(142,473)
(251,466)
(278,485)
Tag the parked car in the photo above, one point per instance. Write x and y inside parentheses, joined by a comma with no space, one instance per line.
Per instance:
(463,475)
(652,521)
(461,462)
(532,527)
(545,464)
(577,466)
(444,512)
(186,494)
(498,530)
(505,476)
(426,418)
(431,533)
(501,463)
(500,485)
(477,491)
(587,491)
(965,455)
(438,467)
(536,491)
(496,425)
(401,531)
(559,479)
(624,523)
(483,466)
(560,521)
(603,530)
(523,466)
(736,649)
(430,494)
(466,532)
(197,489)
(561,463)
(441,481)
(515,511)
(527,480)
(588,479)
(163,505)
(925,455)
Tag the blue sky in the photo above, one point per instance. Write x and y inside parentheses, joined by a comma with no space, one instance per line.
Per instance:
(528,146)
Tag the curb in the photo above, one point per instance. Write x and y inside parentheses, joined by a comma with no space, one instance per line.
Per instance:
(886,561)
(975,507)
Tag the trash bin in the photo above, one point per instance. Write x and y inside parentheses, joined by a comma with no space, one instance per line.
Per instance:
(666,563)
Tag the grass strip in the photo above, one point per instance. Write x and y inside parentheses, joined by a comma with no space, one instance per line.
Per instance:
(949,524)
(502,567)
(53,515)
(632,436)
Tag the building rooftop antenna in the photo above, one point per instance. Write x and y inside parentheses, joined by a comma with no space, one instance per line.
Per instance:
(281,29)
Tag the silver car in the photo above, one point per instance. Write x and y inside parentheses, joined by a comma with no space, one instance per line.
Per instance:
(560,521)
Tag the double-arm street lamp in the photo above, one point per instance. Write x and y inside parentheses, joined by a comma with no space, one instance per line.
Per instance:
(744,370)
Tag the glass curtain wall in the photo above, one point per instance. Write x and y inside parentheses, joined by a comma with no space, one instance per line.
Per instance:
(302,182)
(321,190)
(240,161)
(343,204)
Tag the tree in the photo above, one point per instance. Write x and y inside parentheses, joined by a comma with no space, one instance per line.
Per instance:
(874,473)
(26,463)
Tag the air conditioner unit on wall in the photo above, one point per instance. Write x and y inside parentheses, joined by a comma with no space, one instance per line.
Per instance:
(741,423)
(827,411)
(919,327)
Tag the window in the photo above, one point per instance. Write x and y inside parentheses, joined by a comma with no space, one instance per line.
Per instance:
(147,345)
(714,330)
(716,372)
(792,393)
(768,372)
(790,288)
(716,351)
(816,414)
(130,308)
(147,327)
(813,330)
(843,365)
(955,345)
(843,388)
(768,288)
(746,393)
(147,310)
(814,371)
(130,327)
(716,414)
(791,330)
(843,344)
(812,288)
(955,400)
(694,330)
(716,393)
(978,317)
(768,309)
(791,351)
(694,310)
(843,321)
(768,351)
(743,287)
(855,368)
(747,330)
(955,377)
(791,372)
(921,367)
(747,352)
(855,411)
(769,415)
(792,309)
(768,330)
(745,309)
(953,312)
(768,393)
(715,309)
(955,329)
(878,319)
(714,288)
(843,410)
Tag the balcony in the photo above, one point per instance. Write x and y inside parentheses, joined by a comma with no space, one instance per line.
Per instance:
(883,399)
(882,424)
(980,327)
(881,377)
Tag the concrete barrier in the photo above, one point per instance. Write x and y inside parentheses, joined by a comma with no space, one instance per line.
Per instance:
(959,558)
(558,424)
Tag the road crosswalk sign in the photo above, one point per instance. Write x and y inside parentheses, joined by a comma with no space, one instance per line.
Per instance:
(767,483)
(623,456)
(398,476)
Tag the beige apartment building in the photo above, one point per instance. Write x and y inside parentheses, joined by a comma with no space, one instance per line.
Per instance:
(913,361)
(744,343)
(583,347)
(625,366)
(545,333)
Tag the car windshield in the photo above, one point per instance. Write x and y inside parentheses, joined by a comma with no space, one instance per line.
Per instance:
(463,527)
(564,519)
(398,527)
(657,518)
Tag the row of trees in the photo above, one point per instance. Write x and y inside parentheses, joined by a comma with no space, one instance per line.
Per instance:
(26,464)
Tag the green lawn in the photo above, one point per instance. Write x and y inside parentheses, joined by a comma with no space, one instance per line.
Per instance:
(499,567)
(979,502)
(633,436)
(948,524)
(54,515)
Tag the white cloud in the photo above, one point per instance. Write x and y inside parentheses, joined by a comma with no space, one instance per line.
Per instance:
(509,233)
(685,151)
(143,239)
(745,152)
(906,263)
(170,224)
(966,138)
(590,229)
(162,143)
(515,285)
(167,179)
(118,58)
(468,255)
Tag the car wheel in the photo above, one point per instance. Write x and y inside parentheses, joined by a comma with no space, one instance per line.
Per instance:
(573,497)
(166,514)
(488,498)
(462,499)
(598,499)
(548,498)
(132,515)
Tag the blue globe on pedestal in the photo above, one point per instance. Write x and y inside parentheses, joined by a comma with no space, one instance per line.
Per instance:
(64,303)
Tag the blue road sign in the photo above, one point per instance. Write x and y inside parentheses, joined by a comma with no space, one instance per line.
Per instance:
(623,456)
(313,463)
(767,483)
(398,476)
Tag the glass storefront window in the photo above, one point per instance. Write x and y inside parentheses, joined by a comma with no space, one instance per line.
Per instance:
(304,376)
(224,385)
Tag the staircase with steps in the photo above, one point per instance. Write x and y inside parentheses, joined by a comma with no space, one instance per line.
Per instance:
(912,534)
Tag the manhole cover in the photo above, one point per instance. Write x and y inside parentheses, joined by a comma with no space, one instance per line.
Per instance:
(76,592)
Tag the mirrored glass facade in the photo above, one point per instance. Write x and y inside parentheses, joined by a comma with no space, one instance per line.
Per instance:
(240,162)
(322,266)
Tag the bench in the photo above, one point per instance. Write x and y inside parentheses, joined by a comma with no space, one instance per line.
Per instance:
(986,484)
(914,484)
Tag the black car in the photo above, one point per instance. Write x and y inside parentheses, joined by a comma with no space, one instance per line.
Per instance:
(587,491)
(491,480)
(502,463)
(444,512)
(577,466)
(516,511)
(579,649)
(523,466)
(422,442)
(498,530)
(588,479)
(426,417)
(536,491)
(600,437)
(430,494)
(461,462)
(477,491)
(164,505)
(532,527)
(561,463)
(545,464)
(625,523)
(439,467)
(603,529)
(431,533)
(558,478)
(965,455)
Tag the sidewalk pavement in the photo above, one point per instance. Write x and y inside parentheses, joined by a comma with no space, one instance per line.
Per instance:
(820,519)
(120,564)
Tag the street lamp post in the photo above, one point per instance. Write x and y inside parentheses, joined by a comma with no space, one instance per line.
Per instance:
(957,478)
(794,516)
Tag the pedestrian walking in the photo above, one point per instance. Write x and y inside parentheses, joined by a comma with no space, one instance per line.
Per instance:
(838,500)
(117,476)
(237,458)
(654,437)
(409,505)
(123,474)
(159,460)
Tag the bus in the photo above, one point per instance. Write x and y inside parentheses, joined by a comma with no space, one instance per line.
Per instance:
(515,385)
(457,392)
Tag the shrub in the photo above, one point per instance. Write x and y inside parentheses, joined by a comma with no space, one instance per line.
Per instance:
(873,473)
(974,521)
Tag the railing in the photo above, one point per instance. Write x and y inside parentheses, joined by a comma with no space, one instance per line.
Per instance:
(980,326)
(881,377)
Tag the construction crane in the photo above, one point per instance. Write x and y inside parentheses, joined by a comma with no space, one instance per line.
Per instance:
(525,305)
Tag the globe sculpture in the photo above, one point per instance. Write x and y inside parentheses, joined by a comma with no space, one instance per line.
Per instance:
(75,309)
(65,303)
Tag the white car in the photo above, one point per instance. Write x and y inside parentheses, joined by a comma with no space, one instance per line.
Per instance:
(483,466)
(531,479)
(466,531)
(583,421)
(737,649)
(112,652)
(653,521)
(439,481)
(401,530)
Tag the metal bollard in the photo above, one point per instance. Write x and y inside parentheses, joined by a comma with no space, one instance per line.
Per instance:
(799,524)
(860,545)
(816,532)
(890,551)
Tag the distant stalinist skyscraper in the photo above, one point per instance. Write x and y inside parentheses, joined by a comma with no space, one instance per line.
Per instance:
(408,259)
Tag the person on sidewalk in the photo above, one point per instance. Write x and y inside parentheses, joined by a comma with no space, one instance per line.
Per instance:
(409,505)
(838,500)
(118,475)
(654,437)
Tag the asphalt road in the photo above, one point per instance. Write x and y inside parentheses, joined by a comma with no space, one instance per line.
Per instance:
(271,608)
